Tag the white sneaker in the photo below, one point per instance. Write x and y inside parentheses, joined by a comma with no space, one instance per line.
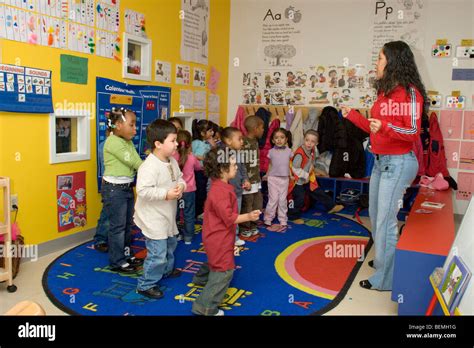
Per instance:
(239,242)
(187,243)
(220,313)
(246,233)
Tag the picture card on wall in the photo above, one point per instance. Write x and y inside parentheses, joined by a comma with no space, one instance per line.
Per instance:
(162,71)
(135,23)
(200,99)
(182,76)
(214,103)
(199,79)
(466,160)
(451,124)
(465,186)
(106,43)
(468,125)
(455,102)
(185,99)
(441,51)
(452,151)
(107,16)
(435,100)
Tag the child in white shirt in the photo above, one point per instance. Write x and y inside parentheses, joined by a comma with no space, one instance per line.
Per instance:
(159,185)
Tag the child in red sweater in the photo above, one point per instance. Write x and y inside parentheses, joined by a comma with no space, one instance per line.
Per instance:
(218,233)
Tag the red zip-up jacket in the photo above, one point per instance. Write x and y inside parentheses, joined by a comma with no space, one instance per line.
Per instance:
(400,113)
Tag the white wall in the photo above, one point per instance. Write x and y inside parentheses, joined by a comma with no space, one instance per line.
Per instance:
(335,29)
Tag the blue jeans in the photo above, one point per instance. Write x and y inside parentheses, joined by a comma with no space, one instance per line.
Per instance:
(118,204)
(102,229)
(391,175)
(189,209)
(159,261)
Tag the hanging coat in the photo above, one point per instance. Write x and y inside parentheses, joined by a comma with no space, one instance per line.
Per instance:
(239,120)
(435,157)
(435,161)
(344,140)
(297,131)
(264,160)
(312,121)
(289,119)
(265,115)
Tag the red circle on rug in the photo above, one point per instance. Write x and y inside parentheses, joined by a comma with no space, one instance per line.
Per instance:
(326,265)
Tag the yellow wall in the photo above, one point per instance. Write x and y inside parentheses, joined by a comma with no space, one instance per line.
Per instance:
(24,143)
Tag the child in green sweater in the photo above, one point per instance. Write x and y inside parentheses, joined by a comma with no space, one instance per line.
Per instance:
(121,162)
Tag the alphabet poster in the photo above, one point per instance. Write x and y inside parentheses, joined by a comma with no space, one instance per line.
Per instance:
(194,17)
(280,36)
(71,200)
(397,20)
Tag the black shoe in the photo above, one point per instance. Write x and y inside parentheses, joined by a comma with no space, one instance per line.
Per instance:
(174,273)
(126,268)
(135,262)
(365,284)
(154,293)
(101,247)
(371,263)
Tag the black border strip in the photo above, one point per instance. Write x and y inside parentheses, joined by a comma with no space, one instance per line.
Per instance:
(333,304)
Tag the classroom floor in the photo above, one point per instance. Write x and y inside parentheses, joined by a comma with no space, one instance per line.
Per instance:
(358,301)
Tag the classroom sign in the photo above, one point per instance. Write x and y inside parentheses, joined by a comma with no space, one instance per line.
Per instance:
(25,90)
(148,102)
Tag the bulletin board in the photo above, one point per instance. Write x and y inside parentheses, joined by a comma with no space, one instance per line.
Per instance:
(148,102)
(25,89)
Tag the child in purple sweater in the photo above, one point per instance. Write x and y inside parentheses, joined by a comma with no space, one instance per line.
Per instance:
(278,180)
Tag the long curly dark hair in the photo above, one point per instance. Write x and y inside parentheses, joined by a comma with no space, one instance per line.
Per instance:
(401,70)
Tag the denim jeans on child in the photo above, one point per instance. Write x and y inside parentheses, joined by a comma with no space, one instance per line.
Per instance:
(118,203)
(102,229)
(215,287)
(159,261)
(391,175)
(189,210)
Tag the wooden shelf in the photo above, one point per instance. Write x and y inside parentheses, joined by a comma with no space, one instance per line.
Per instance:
(6,273)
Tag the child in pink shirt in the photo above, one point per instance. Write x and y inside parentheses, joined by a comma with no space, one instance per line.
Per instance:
(188,163)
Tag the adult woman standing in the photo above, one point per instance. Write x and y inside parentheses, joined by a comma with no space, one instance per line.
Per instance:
(394,126)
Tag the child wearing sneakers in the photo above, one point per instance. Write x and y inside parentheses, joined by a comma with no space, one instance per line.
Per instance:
(303,178)
(218,234)
(278,180)
(252,198)
(159,185)
(121,162)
